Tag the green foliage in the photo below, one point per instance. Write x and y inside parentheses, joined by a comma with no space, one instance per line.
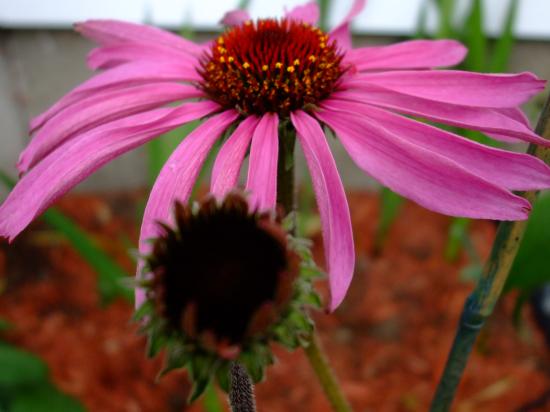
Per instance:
(19,368)
(504,44)
(390,207)
(484,55)
(44,398)
(25,384)
(110,275)
(530,269)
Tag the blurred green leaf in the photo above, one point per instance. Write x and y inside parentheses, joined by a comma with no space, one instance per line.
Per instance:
(530,269)
(504,44)
(457,232)
(446,10)
(243,4)
(18,368)
(44,398)
(5,325)
(391,204)
(211,400)
(421,29)
(110,275)
(324,8)
(474,38)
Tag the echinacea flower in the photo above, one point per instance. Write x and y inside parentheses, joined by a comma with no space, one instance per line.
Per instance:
(222,274)
(258,75)
(225,282)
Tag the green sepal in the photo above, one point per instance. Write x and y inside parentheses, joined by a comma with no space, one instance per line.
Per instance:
(222,376)
(201,370)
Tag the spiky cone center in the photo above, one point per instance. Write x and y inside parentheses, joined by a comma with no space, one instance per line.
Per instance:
(271,66)
(222,275)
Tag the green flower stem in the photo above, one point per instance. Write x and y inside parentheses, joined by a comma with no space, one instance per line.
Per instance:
(319,363)
(483,299)
(286,195)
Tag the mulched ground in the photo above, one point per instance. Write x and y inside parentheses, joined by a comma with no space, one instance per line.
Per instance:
(388,341)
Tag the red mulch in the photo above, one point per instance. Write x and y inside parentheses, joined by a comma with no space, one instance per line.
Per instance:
(388,341)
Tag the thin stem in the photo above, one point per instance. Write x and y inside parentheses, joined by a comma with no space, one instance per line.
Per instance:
(481,302)
(286,196)
(241,390)
(320,365)
(286,193)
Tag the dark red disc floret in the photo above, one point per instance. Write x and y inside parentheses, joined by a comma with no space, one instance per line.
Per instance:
(271,66)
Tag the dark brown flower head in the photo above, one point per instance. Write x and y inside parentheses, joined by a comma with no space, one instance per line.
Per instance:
(222,274)
(271,66)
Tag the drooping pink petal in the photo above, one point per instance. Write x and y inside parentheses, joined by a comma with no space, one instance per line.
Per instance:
(515,171)
(106,57)
(71,163)
(412,54)
(491,121)
(308,13)
(110,32)
(176,181)
(332,203)
(235,17)
(421,175)
(227,166)
(262,165)
(457,87)
(123,76)
(341,33)
(96,110)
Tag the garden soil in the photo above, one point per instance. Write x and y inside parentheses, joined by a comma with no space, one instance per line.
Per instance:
(387,342)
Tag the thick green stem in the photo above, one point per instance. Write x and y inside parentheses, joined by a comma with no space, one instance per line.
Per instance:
(286,196)
(319,363)
(481,302)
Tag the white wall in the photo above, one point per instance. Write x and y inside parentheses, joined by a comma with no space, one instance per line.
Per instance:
(380,16)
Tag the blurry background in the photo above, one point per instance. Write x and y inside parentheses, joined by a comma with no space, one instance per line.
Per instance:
(41,58)
(64,312)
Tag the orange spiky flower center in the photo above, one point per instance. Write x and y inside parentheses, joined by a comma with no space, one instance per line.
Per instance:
(271,66)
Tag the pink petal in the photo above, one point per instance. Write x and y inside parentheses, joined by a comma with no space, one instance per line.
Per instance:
(511,170)
(413,54)
(490,121)
(235,17)
(110,32)
(176,180)
(106,57)
(421,175)
(262,166)
(227,166)
(126,75)
(332,203)
(71,163)
(458,87)
(341,33)
(96,110)
(308,13)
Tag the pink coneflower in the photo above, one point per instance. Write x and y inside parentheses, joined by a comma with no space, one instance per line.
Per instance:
(258,75)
